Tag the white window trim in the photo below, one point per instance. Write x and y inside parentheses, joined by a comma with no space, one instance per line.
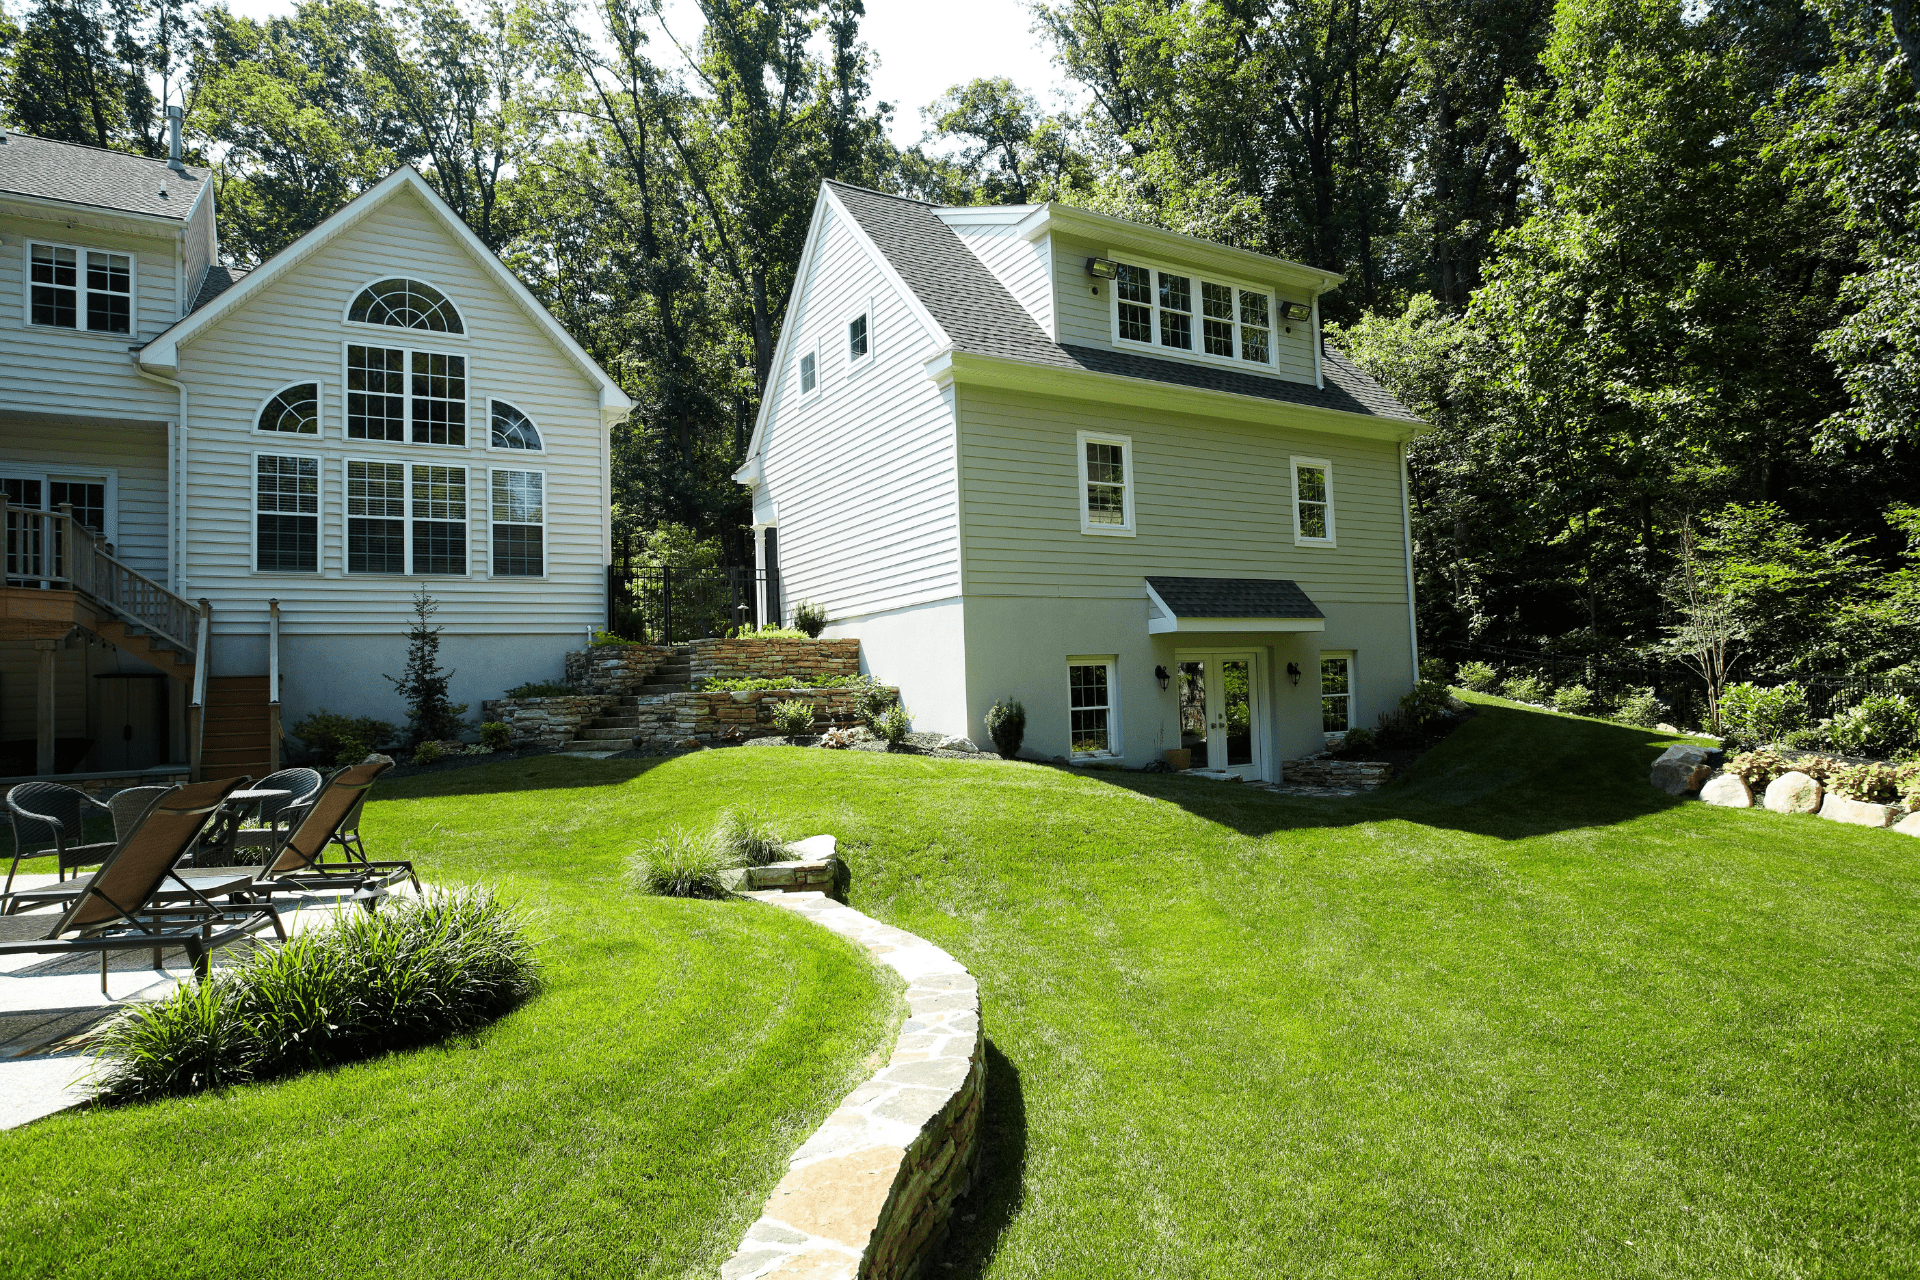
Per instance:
(865,362)
(363,326)
(491,447)
(1293,480)
(406,524)
(319,385)
(407,397)
(80,290)
(1275,326)
(546,563)
(819,383)
(472,570)
(1081,441)
(254,512)
(1353,685)
(1115,749)
(109,477)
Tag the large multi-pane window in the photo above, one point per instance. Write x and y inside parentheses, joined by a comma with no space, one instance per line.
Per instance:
(376,517)
(286,514)
(439,398)
(406,304)
(81,288)
(1186,312)
(439,519)
(519,524)
(1106,484)
(1091,706)
(390,388)
(376,393)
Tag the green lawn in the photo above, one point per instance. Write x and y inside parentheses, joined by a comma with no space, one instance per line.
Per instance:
(631,1120)
(1517,1015)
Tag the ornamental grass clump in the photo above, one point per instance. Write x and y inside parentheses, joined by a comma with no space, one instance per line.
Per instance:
(417,971)
(746,839)
(680,865)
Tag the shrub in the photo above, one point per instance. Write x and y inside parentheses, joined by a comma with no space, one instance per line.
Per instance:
(1357,740)
(342,740)
(838,739)
(1758,768)
(1907,778)
(1575,700)
(428,752)
(416,971)
(430,713)
(1641,707)
(1438,670)
(747,839)
(1526,687)
(1819,768)
(894,724)
(1007,726)
(1478,676)
(678,865)
(603,637)
(477,749)
(769,633)
(1396,729)
(873,700)
(733,684)
(1426,702)
(809,619)
(1756,715)
(542,689)
(793,717)
(496,735)
(1881,722)
(1873,783)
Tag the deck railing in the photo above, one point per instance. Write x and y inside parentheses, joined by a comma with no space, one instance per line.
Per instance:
(52,550)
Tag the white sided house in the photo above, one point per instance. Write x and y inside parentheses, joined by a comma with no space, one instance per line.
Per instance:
(1112,472)
(214,477)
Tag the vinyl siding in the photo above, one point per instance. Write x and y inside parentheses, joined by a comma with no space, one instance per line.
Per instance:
(134,455)
(1020,265)
(294,331)
(1087,319)
(63,371)
(862,474)
(1211,499)
(202,246)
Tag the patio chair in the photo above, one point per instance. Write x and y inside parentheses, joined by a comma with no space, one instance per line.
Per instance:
(278,816)
(332,818)
(116,909)
(53,814)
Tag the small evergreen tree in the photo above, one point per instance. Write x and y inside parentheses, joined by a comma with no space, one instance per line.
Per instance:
(430,714)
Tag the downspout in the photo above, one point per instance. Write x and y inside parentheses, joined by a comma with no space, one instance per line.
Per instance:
(1406,542)
(176,486)
(1319,376)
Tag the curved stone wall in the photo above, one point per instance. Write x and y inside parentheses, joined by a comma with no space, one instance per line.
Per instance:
(872,1190)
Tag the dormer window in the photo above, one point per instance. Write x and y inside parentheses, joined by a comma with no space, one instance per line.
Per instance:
(405,304)
(1183,312)
(81,288)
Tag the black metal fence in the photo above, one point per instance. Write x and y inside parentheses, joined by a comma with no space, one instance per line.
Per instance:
(666,606)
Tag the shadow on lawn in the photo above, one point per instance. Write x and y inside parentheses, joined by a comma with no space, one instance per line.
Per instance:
(999,1183)
(1509,773)
(554,772)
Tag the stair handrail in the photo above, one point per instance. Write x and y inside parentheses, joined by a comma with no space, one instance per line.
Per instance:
(52,549)
(197,709)
(273,686)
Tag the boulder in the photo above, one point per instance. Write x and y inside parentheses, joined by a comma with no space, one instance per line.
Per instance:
(1680,769)
(1729,791)
(964,745)
(1794,792)
(1858,812)
(1909,825)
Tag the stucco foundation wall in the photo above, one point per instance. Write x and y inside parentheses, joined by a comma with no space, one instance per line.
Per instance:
(920,650)
(344,673)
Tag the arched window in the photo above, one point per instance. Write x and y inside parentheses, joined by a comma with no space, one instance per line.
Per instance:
(409,304)
(295,410)
(512,429)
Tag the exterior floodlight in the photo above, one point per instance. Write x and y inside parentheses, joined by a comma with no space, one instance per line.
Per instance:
(1296,311)
(1102,268)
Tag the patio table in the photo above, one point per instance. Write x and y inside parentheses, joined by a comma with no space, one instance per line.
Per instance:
(215,848)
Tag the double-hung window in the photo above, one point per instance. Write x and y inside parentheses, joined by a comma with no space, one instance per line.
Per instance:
(519,524)
(809,371)
(88,289)
(1185,312)
(860,340)
(376,517)
(286,494)
(1093,707)
(397,394)
(1312,502)
(438,499)
(1336,692)
(1106,484)
(439,398)
(376,393)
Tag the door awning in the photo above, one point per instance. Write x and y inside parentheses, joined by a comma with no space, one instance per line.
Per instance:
(1230,604)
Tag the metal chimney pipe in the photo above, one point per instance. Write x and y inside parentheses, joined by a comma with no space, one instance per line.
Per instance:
(174,115)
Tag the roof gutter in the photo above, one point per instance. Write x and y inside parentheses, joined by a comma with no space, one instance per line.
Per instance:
(44,202)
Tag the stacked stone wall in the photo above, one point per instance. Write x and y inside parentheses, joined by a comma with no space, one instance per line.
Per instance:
(749,658)
(1318,771)
(546,722)
(715,717)
(614,668)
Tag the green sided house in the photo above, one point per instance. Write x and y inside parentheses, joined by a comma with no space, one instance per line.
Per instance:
(1038,453)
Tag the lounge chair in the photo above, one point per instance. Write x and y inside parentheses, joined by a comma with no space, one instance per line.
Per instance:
(332,819)
(51,813)
(116,908)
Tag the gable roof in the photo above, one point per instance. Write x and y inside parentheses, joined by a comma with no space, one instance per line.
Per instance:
(43,169)
(982,318)
(162,351)
(215,282)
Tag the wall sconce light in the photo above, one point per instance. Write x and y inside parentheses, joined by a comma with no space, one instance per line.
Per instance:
(1293,672)
(1102,268)
(1160,674)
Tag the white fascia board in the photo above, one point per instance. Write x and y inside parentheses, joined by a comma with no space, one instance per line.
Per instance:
(1161,626)
(1184,248)
(162,354)
(1144,393)
(986,215)
(802,273)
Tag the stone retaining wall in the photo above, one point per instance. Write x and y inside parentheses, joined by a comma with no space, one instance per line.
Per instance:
(546,722)
(613,668)
(871,1192)
(711,717)
(1319,771)
(774,659)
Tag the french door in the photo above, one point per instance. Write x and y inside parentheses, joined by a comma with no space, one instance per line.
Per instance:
(1222,711)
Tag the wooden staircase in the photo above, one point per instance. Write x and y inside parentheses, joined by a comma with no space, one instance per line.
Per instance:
(237,739)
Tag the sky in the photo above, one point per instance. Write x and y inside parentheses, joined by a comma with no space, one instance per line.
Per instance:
(923,47)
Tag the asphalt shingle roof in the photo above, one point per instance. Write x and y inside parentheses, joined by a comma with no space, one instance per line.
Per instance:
(217,281)
(1234,598)
(94,176)
(981,317)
